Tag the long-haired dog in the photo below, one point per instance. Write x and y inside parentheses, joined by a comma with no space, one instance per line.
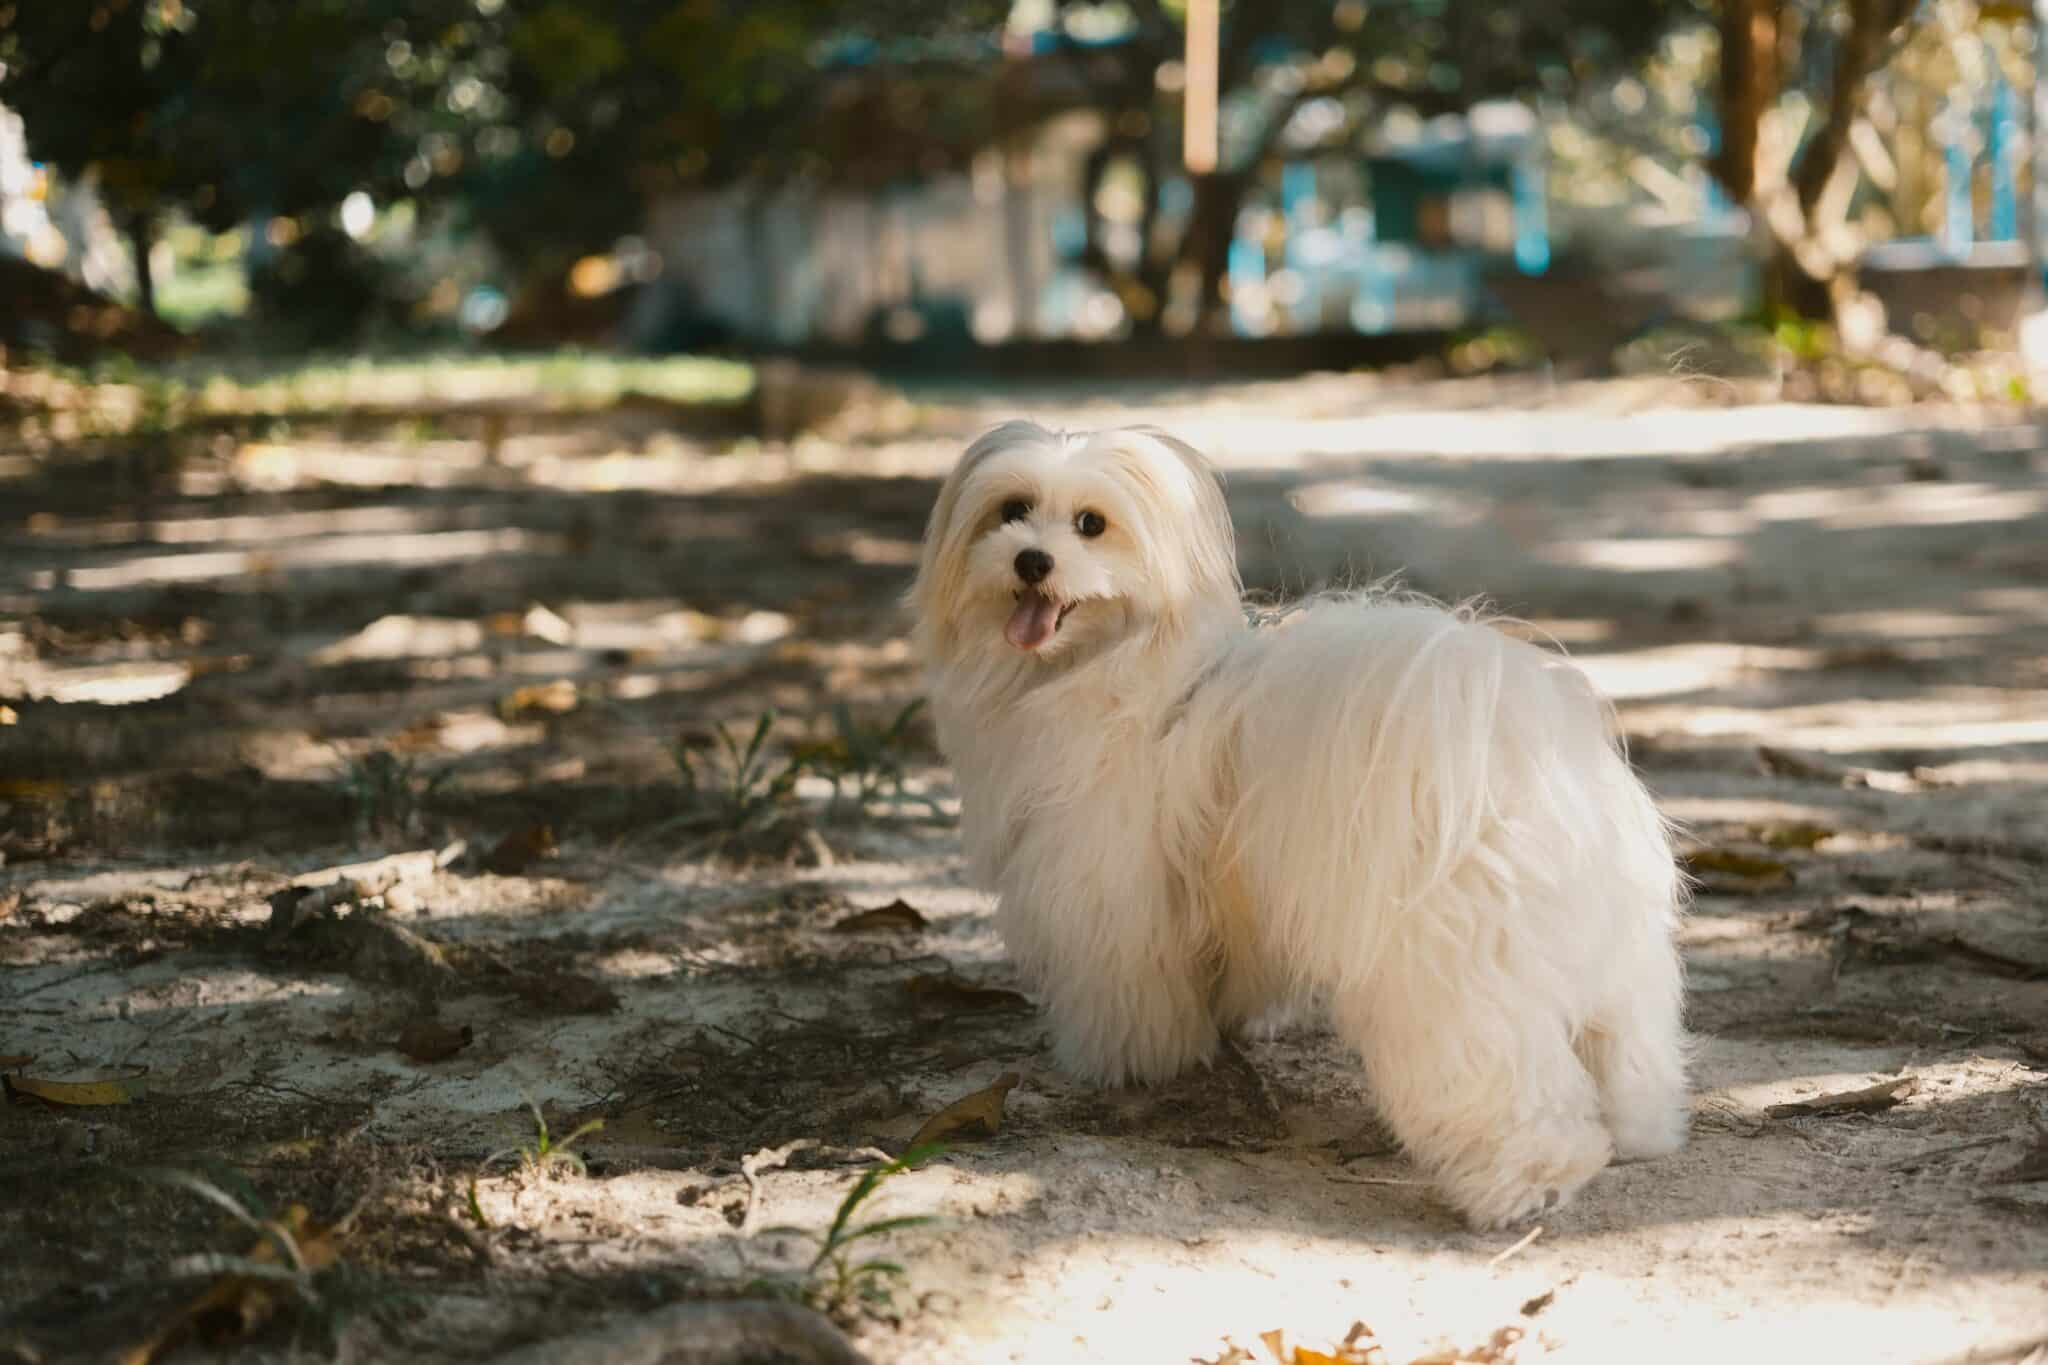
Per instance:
(1386,808)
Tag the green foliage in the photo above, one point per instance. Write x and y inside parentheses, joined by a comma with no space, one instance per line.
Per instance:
(834,1280)
(246,1207)
(735,782)
(389,792)
(547,1154)
(862,761)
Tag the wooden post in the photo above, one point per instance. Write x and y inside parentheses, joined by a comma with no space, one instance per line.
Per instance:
(1198,150)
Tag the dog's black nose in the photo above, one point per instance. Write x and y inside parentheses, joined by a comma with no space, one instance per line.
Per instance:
(1033,565)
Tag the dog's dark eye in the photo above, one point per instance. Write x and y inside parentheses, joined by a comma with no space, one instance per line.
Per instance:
(1090,524)
(1016,509)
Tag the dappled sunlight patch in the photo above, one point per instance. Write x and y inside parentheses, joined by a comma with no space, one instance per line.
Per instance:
(403,637)
(1979,772)
(1364,500)
(1569,631)
(1931,1084)
(114,684)
(1673,670)
(1864,507)
(413,549)
(279,467)
(1960,718)
(1674,554)
(1510,433)
(1743,810)
(278,525)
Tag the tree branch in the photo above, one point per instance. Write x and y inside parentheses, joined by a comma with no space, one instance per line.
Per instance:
(1863,52)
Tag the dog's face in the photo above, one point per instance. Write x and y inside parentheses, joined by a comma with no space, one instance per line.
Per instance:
(1047,545)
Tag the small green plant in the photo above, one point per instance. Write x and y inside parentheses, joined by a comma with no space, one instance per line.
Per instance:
(548,1153)
(738,784)
(834,1280)
(389,792)
(294,1265)
(863,761)
(296,1262)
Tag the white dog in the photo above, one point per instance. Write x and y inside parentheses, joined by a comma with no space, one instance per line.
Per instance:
(1387,808)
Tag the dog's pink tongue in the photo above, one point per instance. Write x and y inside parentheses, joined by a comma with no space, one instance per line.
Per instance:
(1034,621)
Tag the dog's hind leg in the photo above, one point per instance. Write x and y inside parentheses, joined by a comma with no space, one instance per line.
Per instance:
(1481,1087)
(1636,1049)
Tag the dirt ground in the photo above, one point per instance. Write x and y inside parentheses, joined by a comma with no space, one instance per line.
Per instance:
(1826,630)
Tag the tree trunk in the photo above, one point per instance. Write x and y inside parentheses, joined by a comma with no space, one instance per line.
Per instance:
(1749,86)
(141,236)
(1212,224)
(1800,211)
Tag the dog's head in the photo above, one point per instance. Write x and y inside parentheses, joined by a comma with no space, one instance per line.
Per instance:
(1045,544)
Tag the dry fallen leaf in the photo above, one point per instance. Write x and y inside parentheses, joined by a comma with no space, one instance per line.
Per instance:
(15,1061)
(42,790)
(1500,1349)
(944,991)
(1868,1100)
(520,849)
(236,1305)
(1728,871)
(1797,835)
(430,1040)
(556,698)
(87,1090)
(897,914)
(976,1115)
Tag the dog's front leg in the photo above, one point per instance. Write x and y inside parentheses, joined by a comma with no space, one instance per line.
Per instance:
(1122,989)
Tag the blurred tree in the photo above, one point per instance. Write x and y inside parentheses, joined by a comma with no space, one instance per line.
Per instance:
(228,111)
(1293,72)
(1798,189)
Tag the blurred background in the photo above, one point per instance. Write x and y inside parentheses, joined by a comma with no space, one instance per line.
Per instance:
(993,183)
(460,465)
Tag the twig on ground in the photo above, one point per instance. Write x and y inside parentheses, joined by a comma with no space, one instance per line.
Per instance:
(1348,1179)
(1869,1100)
(1530,1236)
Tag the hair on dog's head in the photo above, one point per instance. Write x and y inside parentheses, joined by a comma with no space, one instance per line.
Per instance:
(1046,543)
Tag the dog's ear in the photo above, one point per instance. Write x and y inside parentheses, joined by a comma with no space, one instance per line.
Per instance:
(1212,548)
(945,539)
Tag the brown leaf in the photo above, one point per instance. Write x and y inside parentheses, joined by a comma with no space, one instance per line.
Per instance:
(1730,872)
(431,1040)
(1869,1100)
(122,1085)
(898,914)
(945,991)
(556,698)
(976,1115)
(1536,1305)
(1796,835)
(15,1061)
(520,849)
(237,1305)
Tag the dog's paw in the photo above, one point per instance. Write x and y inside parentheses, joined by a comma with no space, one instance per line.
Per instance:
(1648,1133)
(1533,1173)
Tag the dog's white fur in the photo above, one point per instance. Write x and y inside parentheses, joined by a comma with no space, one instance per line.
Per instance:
(1378,805)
